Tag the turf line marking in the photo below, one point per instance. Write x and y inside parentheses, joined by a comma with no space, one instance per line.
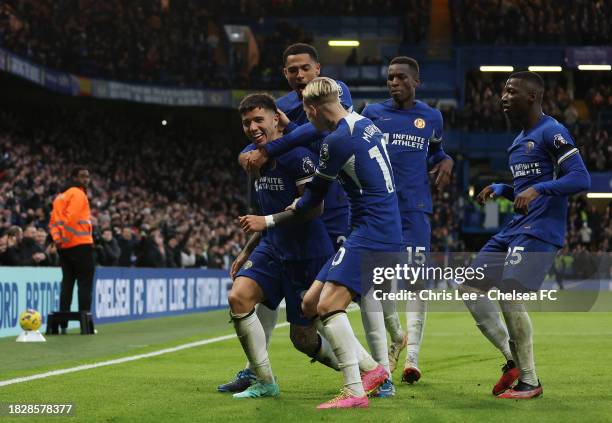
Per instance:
(123,360)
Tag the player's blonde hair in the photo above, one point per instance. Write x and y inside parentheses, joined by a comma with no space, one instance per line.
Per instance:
(321,90)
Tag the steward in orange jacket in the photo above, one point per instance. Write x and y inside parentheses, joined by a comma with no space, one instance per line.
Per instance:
(70,227)
(70,223)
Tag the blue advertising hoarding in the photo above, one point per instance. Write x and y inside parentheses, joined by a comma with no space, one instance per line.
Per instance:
(119,294)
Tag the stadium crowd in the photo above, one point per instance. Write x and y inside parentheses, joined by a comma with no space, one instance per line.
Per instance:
(133,40)
(165,42)
(142,216)
(482,112)
(524,22)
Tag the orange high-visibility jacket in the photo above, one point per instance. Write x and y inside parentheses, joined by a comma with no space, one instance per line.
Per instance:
(70,222)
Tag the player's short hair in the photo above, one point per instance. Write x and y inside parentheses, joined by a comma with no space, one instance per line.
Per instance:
(405,60)
(257,101)
(321,90)
(532,77)
(300,48)
(76,169)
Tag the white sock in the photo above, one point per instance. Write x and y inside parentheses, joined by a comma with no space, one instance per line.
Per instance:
(519,327)
(340,335)
(268,319)
(415,323)
(364,359)
(392,321)
(325,355)
(375,332)
(489,321)
(253,340)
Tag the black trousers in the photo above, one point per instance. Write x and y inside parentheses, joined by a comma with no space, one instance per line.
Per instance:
(77,265)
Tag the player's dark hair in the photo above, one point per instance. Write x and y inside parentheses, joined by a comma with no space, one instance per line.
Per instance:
(532,77)
(257,101)
(76,169)
(300,48)
(405,60)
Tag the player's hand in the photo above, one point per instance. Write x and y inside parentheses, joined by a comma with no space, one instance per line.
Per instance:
(444,169)
(238,263)
(283,120)
(486,194)
(256,159)
(251,223)
(522,200)
(243,160)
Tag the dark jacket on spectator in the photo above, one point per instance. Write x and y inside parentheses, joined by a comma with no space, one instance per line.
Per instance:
(152,256)
(127,249)
(108,252)
(21,254)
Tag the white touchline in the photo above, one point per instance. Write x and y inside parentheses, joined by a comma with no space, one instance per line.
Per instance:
(122,360)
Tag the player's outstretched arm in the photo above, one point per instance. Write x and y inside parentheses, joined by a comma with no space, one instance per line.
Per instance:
(307,207)
(299,137)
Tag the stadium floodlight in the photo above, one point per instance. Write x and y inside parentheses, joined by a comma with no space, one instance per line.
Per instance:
(497,69)
(599,195)
(343,43)
(595,67)
(545,68)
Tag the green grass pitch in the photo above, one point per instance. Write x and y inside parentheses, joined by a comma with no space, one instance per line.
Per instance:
(573,356)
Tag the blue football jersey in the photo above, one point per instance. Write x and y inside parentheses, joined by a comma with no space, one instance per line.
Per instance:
(276,189)
(535,156)
(355,155)
(335,213)
(408,136)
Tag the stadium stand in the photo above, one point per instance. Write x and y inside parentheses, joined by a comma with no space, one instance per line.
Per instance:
(525,22)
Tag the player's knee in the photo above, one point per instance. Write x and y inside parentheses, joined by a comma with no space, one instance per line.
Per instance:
(311,299)
(305,339)
(238,302)
(325,307)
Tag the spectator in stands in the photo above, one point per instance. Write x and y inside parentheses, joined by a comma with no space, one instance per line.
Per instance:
(127,245)
(22,249)
(107,249)
(32,253)
(153,252)
(52,258)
